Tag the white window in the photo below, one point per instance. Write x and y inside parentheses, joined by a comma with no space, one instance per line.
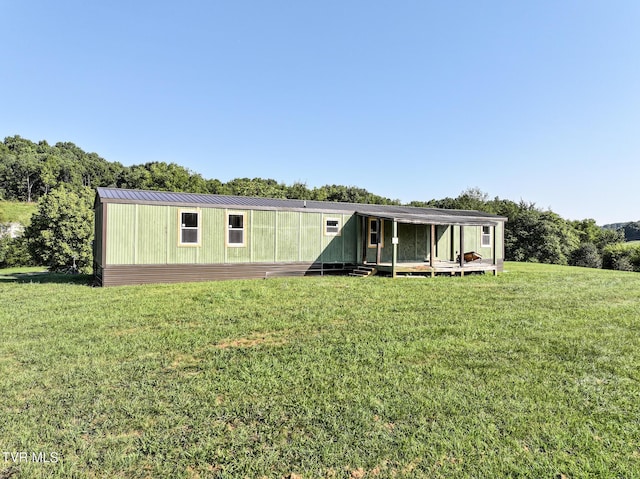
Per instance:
(235,229)
(331,227)
(485,239)
(189,228)
(376,232)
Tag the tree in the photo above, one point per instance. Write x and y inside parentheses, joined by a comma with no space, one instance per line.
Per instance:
(161,176)
(622,256)
(25,167)
(349,194)
(472,199)
(61,231)
(586,255)
(298,191)
(539,236)
(256,187)
(608,237)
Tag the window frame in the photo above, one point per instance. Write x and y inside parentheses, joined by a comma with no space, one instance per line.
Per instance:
(370,221)
(338,226)
(229,229)
(182,228)
(485,238)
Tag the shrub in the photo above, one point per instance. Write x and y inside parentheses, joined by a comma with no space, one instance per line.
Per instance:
(622,257)
(14,252)
(586,255)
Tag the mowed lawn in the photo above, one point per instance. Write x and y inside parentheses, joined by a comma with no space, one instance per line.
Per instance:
(533,373)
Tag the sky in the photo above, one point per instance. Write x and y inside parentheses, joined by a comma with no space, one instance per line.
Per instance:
(411,100)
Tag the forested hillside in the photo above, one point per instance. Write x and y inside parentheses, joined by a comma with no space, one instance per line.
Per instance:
(631,230)
(30,171)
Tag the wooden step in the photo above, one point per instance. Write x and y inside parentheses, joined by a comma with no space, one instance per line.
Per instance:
(363,271)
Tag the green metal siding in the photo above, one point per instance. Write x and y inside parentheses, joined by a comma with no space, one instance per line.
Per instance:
(473,241)
(422,242)
(311,236)
(499,239)
(443,242)
(213,232)
(120,234)
(149,234)
(288,239)
(350,238)
(341,248)
(413,242)
(262,238)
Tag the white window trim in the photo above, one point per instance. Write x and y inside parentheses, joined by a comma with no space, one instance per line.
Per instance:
(198,228)
(380,233)
(326,226)
(484,236)
(228,229)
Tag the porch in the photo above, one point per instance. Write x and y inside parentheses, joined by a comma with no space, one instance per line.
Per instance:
(439,267)
(426,246)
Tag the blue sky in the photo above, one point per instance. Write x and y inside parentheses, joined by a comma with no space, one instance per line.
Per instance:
(411,100)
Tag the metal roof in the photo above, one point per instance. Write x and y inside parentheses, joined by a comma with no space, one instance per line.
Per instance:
(402,214)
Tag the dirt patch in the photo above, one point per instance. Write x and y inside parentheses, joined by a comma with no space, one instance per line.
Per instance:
(126,332)
(252,341)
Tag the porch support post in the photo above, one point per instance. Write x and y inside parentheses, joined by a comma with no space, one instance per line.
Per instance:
(432,247)
(379,244)
(394,254)
(461,250)
(452,243)
(495,250)
(364,239)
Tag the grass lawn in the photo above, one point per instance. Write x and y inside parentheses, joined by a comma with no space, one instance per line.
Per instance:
(533,373)
(17,211)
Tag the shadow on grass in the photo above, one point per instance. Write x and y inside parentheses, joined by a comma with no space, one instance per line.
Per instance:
(46,277)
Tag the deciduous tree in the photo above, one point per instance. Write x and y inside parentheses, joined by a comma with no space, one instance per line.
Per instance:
(61,231)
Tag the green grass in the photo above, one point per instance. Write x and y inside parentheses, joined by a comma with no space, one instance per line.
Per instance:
(16,212)
(533,373)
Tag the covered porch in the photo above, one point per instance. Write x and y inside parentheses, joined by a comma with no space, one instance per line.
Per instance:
(445,242)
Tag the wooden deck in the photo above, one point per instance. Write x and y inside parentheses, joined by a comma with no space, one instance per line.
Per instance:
(439,267)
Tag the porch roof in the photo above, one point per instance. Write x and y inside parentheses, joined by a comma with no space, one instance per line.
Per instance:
(438,217)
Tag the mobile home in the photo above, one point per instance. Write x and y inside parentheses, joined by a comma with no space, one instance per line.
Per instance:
(158,237)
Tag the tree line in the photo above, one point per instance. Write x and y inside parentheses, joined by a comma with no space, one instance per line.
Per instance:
(30,170)
(62,178)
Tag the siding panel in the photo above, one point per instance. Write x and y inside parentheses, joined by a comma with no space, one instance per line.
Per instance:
(311,235)
(350,238)
(288,238)
(262,242)
(213,236)
(120,232)
(152,235)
